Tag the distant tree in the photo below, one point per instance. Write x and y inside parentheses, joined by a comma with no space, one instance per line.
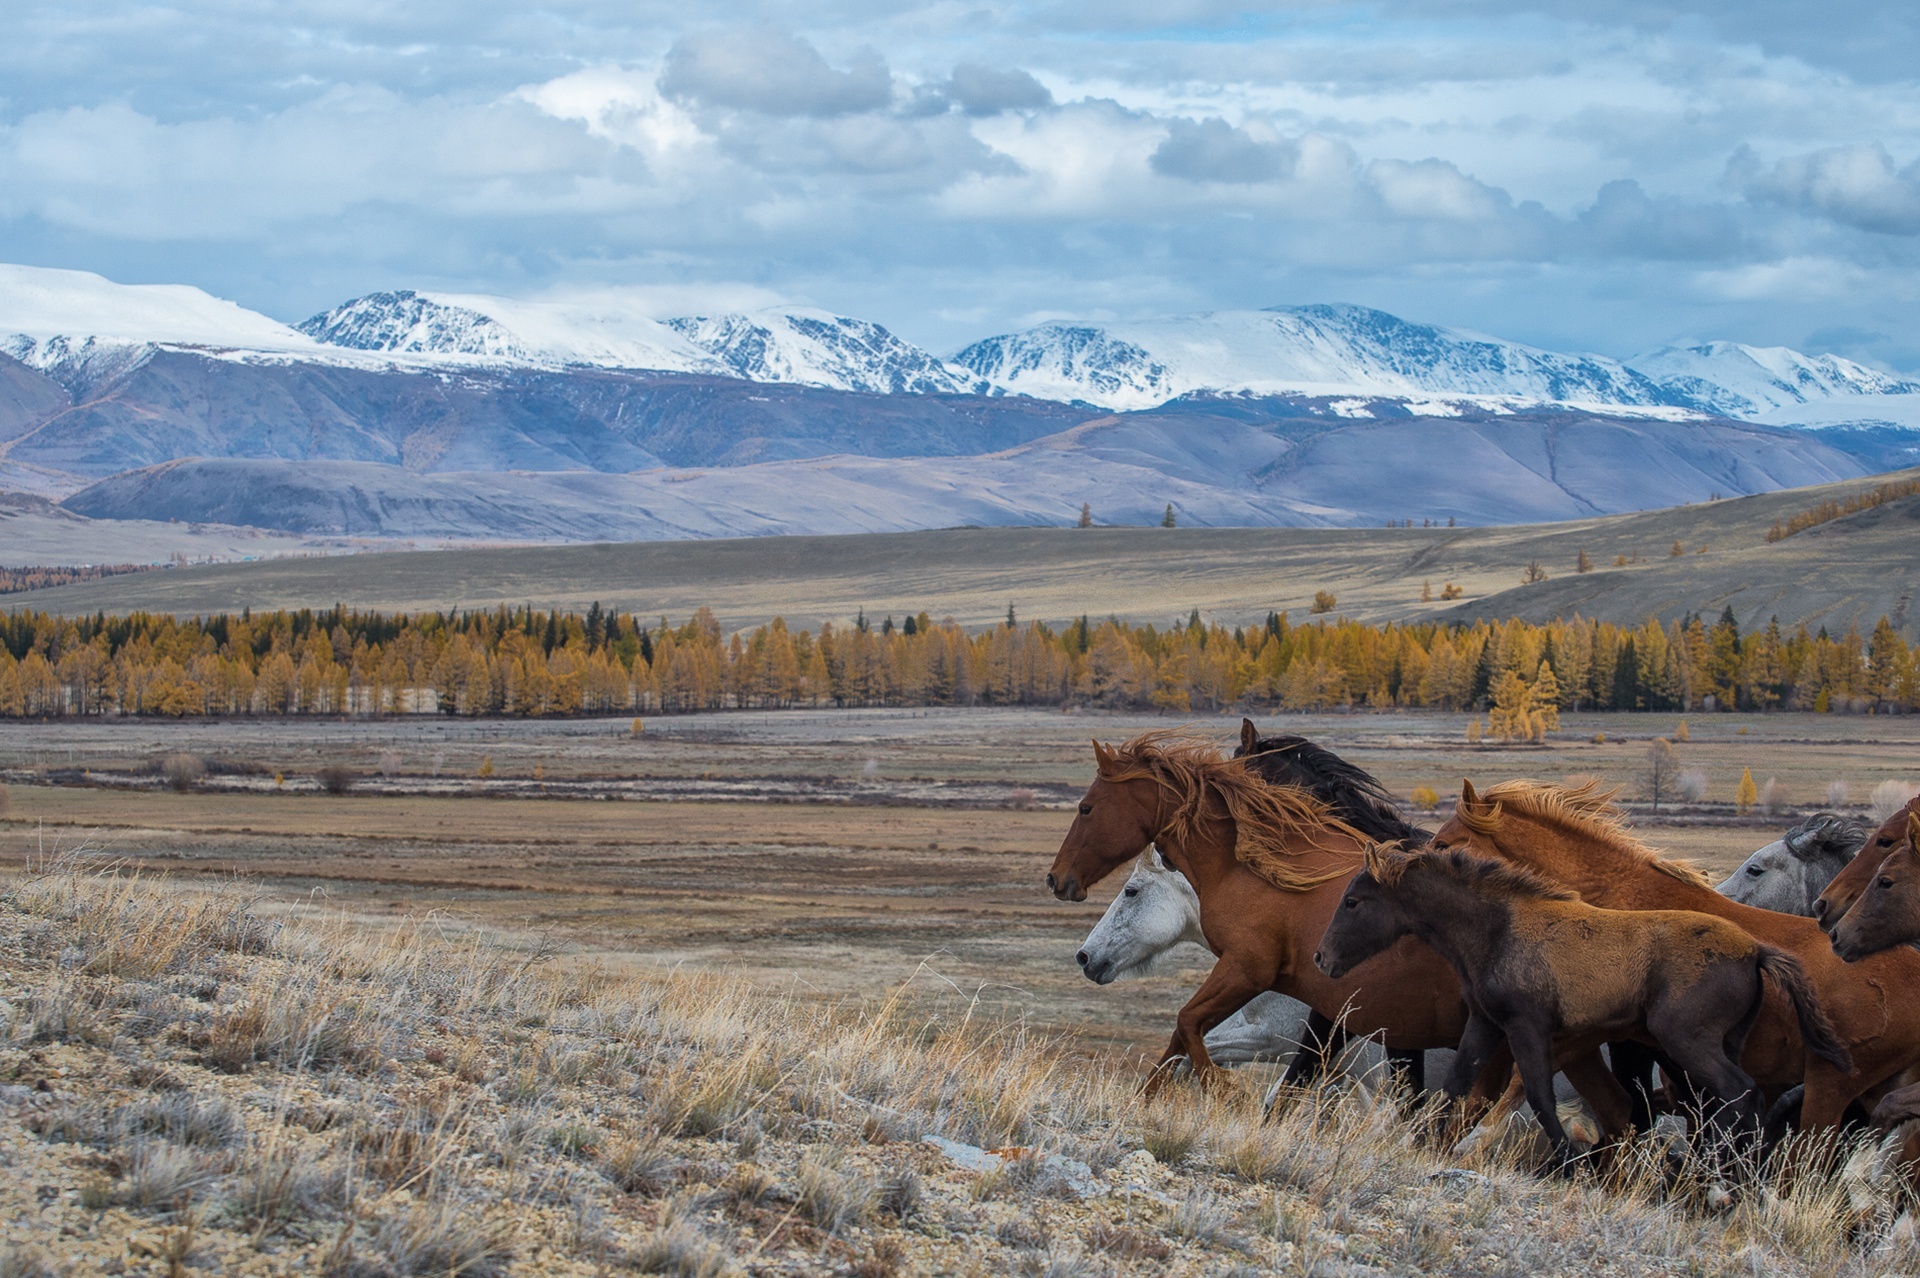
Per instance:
(1676,550)
(1746,794)
(1534,572)
(1449,521)
(1323,602)
(1583,564)
(1425,798)
(1426,591)
(1167,520)
(886,627)
(1086,514)
(1619,561)
(861,623)
(909,627)
(1661,771)
(1451,591)
(1011,623)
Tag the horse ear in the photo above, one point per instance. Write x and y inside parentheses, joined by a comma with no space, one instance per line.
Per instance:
(1103,757)
(1249,736)
(1469,797)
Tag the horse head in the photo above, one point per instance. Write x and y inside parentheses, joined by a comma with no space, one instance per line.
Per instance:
(1116,821)
(1887,912)
(1788,874)
(1845,888)
(1155,911)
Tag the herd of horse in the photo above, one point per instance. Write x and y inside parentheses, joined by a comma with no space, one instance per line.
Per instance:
(1531,933)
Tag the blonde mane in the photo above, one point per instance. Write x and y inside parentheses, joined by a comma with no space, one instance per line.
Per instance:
(1269,820)
(1586,810)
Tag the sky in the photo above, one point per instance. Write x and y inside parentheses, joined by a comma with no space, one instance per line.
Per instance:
(1606,175)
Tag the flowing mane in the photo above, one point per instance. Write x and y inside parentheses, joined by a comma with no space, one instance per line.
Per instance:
(1586,809)
(1269,820)
(1491,875)
(1356,795)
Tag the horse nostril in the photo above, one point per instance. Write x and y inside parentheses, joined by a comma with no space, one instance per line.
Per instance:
(1316,958)
(1053,884)
(1082,958)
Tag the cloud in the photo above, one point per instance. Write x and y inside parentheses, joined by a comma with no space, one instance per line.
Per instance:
(1854,185)
(1625,220)
(1212,150)
(772,72)
(984,91)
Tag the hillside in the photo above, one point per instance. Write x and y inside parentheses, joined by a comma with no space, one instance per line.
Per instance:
(1848,572)
(199,1084)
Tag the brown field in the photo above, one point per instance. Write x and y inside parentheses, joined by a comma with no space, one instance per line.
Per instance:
(917,859)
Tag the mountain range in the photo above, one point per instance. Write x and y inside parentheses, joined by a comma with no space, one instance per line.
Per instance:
(426,414)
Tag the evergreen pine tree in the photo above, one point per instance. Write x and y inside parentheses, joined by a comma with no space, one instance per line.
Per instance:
(1086,514)
(1167,520)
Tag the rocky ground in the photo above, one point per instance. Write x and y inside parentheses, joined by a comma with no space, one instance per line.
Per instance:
(189,1086)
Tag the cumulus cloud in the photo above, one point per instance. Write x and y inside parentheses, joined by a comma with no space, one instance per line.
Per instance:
(982,90)
(1624,219)
(1211,150)
(1854,185)
(773,72)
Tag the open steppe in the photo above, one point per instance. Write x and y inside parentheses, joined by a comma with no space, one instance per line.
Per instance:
(835,854)
(1849,572)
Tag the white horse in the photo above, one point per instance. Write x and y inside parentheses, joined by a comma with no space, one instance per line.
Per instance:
(1790,873)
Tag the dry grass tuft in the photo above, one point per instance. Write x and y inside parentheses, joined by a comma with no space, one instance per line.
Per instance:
(835,1199)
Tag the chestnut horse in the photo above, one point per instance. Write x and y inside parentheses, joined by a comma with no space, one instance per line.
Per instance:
(1545,971)
(1888,912)
(1574,837)
(1270,864)
(1845,887)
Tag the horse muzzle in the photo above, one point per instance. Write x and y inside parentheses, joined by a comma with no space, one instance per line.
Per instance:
(1099,971)
(1067,889)
(1328,966)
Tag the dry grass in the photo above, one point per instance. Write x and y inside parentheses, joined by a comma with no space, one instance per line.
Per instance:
(326,1099)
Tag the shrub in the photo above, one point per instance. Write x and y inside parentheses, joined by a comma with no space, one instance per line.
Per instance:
(1774,797)
(182,771)
(834,1199)
(335,778)
(1425,798)
(164,1178)
(439,1235)
(1324,601)
(1691,786)
(1837,794)
(1888,798)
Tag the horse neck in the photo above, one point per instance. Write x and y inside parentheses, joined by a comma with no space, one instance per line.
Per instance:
(1465,927)
(1602,875)
(1206,858)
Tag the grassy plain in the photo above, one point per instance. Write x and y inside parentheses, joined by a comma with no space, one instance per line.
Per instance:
(1849,572)
(834,854)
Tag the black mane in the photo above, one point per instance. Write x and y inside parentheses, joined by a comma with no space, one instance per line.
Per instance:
(1355,794)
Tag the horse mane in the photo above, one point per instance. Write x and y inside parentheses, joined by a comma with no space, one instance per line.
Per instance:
(1266,817)
(1355,795)
(1585,809)
(1826,830)
(1487,875)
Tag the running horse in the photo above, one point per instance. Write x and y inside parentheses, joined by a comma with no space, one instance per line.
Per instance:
(1845,888)
(1270,864)
(1574,837)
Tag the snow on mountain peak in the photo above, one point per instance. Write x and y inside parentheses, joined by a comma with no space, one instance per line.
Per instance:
(818,348)
(1750,381)
(1313,350)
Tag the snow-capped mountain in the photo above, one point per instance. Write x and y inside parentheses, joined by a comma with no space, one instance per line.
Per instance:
(818,348)
(1307,350)
(1750,382)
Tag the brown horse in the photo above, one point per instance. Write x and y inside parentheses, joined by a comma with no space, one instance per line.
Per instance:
(1888,912)
(1845,887)
(1551,974)
(1574,837)
(1269,863)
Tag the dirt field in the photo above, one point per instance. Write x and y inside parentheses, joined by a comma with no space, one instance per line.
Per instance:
(836,853)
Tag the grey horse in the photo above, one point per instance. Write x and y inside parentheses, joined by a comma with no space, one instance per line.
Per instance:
(1789,873)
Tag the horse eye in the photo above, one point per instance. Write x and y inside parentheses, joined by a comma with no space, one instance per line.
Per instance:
(1885,882)
(1352,903)
(1884,843)
(1086,809)
(1756,871)
(1131,892)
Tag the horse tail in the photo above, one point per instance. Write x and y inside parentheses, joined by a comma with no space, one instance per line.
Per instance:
(1821,1038)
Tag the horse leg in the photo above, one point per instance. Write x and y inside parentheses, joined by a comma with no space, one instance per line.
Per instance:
(1480,1069)
(1321,1043)
(1226,990)
(1532,1046)
(1611,1103)
(1409,1066)
(1633,1067)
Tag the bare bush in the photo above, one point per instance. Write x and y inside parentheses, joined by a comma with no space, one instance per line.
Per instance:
(1659,773)
(1774,797)
(182,771)
(1888,798)
(336,778)
(1837,793)
(1692,786)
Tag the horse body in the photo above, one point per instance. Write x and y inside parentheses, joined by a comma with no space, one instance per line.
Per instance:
(1545,971)
(1840,894)
(1789,874)
(1572,838)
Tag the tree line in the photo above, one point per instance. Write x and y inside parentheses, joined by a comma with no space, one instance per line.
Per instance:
(526,662)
